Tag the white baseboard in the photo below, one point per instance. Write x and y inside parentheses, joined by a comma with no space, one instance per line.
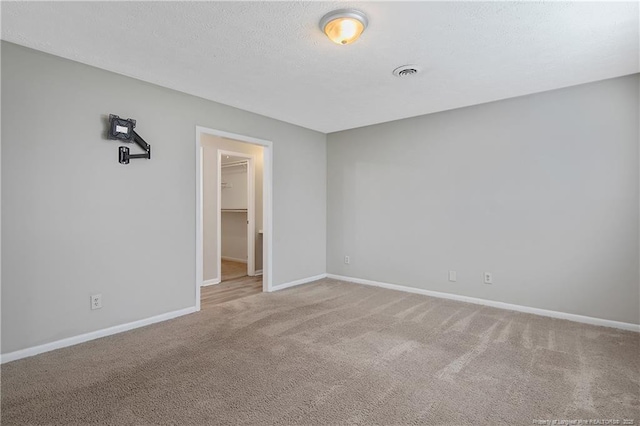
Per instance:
(258,272)
(233,259)
(298,282)
(210,282)
(494,304)
(70,341)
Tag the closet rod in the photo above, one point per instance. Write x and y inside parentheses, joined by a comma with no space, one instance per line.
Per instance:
(237,163)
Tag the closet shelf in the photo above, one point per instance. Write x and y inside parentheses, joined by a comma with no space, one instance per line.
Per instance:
(234,210)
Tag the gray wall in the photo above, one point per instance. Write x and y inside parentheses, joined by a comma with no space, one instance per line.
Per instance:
(541,190)
(234,237)
(76,222)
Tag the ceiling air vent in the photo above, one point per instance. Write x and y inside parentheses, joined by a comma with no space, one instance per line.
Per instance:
(406,71)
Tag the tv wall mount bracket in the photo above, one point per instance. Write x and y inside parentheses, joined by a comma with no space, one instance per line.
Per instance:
(121,129)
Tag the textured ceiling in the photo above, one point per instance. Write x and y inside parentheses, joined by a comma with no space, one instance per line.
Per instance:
(271,58)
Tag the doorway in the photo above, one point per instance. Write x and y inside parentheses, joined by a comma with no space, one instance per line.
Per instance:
(236,215)
(233,215)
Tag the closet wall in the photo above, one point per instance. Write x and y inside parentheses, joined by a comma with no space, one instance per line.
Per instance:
(210,185)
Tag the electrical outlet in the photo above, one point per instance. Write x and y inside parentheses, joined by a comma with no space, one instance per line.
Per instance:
(347,260)
(453,276)
(96,301)
(488,278)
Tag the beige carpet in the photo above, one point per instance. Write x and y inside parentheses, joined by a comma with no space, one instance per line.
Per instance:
(334,353)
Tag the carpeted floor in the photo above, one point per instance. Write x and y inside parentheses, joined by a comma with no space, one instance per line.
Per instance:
(334,353)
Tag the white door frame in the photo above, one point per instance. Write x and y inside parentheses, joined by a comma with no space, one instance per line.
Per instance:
(251,215)
(267,211)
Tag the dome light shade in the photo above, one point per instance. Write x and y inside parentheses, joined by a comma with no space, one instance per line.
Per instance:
(343,26)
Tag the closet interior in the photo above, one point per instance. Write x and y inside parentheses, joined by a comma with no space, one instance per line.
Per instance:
(234,217)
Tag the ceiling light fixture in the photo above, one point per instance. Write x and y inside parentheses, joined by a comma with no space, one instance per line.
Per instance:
(344,26)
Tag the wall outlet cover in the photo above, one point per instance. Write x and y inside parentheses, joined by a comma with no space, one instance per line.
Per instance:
(96,301)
